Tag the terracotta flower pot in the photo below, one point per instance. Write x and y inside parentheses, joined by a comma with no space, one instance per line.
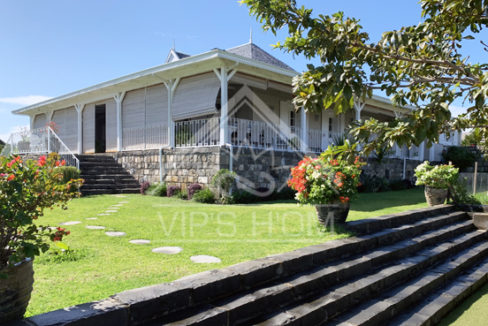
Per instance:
(15,290)
(333,212)
(435,196)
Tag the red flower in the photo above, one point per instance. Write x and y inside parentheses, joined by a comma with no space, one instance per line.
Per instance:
(343,199)
(11,177)
(41,161)
(63,163)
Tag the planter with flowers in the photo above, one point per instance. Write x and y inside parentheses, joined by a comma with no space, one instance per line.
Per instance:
(328,182)
(436,180)
(26,189)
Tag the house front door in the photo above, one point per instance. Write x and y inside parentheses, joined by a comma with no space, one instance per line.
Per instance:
(100,129)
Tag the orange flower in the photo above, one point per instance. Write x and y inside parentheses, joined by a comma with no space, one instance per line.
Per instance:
(11,177)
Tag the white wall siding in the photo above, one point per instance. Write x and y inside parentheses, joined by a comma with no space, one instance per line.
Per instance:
(39,121)
(66,124)
(133,109)
(111,125)
(89,129)
(196,96)
(157,105)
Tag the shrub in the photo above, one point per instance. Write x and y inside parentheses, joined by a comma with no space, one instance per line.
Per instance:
(223,182)
(182,195)
(70,173)
(460,157)
(26,189)
(439,176)
(173,191)
(157,189)
(192,189)
(373,183)
(144,187)
(400,184)
(205,196)
(460,195)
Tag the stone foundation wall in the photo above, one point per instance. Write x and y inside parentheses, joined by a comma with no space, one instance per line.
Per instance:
(180,166)
(391,168)
(255,168)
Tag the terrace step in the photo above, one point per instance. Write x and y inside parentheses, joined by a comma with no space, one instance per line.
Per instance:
(346,277)
(343,284)
(103,175)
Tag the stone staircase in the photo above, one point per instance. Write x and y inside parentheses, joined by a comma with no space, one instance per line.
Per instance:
(408,269)
(103,175)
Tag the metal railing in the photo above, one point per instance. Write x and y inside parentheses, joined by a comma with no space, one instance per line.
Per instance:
(150,137)
(194,133)
(39,141)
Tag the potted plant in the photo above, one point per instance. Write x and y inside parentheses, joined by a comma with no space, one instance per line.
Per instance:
(328,182)
(436,180)
(26,189)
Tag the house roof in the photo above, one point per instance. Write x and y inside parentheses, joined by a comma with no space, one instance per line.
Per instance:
(252,51)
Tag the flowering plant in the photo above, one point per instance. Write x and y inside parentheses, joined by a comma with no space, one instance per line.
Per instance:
(326,179)
(439,176)
(26,189)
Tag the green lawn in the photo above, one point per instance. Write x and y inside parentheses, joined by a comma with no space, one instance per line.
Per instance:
(101,266)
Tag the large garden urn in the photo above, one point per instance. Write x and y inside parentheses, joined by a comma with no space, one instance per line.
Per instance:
(15,290)
(332,213)
(435,196)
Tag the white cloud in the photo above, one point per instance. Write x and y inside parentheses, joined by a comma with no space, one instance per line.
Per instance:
(24,100)
(5,136)
(456,110)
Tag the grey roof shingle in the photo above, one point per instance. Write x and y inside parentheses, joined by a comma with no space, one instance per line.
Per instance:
(252,51)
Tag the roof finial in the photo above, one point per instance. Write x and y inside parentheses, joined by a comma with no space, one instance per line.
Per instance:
(250,34)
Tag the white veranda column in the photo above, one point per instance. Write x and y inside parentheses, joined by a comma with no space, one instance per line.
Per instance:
(358,107)
(119,98)
(224,75)
(421,151)
(398,149)
(304,130)
(171,88)
(79,110)
(325,129)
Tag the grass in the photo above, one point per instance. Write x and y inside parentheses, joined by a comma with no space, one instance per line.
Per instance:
(98,266)
(471,311)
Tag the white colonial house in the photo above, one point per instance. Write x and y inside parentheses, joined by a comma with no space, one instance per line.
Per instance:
(239,97)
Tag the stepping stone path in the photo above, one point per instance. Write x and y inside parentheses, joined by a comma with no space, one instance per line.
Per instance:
(70,223)
(167,250)
(204,259)
(92,218)
(140,241)
(115,234)
(95,227)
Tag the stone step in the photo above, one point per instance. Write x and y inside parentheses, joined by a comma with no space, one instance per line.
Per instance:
(107,176)
(104,170)
(250,305)
(431,309)
(342,298)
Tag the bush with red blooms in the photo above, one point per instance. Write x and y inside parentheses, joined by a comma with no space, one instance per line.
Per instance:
(27,187)
(325,180)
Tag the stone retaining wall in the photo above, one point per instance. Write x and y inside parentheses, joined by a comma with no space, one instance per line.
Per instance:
(255,168)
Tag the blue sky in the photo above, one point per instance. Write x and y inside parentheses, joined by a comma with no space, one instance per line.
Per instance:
(49,48)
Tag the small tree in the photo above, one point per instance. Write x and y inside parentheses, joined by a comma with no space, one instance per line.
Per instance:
(420,65)
(26,189)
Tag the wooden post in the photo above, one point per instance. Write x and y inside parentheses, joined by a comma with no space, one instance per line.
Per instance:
(475,176)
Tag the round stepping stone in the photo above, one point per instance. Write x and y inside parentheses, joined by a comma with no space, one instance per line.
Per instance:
(92,218)
(123,202)
(104,214)
(140,241)
(204,259)
(118,205)
(115,234)
(95,227)
(167,250)
(70,223)
(111,211)
(120,196)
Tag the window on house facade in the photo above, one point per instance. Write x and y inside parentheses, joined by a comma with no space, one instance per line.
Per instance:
(330,124)
(292,120)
